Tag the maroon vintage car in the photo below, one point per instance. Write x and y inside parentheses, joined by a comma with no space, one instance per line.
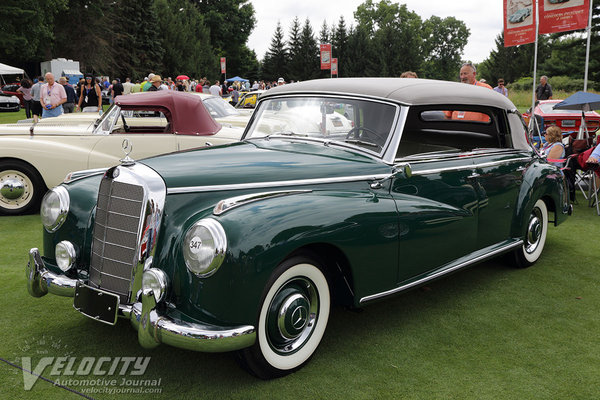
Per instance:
(566,120)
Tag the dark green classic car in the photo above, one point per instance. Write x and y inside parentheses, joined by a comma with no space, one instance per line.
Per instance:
(342,191)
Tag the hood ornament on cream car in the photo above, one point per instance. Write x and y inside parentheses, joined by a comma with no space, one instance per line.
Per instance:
(127,149)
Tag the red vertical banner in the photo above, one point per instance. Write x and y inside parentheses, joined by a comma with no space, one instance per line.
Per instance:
(334,66)
(560,16)
(325,50)
(519,22)
(223,65)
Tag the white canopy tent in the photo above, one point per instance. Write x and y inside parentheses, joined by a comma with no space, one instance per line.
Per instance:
(8,70)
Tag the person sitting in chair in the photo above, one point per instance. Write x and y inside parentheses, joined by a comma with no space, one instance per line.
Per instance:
(554,149)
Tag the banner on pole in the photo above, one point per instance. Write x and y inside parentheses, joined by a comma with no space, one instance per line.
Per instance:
(519,22)
(561,16)
(223,65)
(334,66)
(325,50)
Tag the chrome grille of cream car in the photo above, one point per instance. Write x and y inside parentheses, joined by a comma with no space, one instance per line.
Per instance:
(115,238)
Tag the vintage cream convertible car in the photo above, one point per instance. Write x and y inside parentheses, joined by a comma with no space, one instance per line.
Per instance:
(34,158)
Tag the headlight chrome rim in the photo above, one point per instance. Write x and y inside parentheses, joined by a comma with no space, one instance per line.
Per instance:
(156,280)
(71,253)
(64,203)
(219,238)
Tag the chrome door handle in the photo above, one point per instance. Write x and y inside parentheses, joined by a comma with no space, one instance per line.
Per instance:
(474,175)
(521,168)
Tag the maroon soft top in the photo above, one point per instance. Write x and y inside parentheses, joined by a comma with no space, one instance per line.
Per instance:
(185,111)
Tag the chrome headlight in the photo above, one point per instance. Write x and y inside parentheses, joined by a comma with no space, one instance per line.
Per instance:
(54,209)
(156,280)
(204,247)
(65,255)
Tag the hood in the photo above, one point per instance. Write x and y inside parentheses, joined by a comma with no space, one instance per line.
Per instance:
(261,161)
(59,129)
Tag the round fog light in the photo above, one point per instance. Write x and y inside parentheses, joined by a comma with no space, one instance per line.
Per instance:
(156,280)
(65,254)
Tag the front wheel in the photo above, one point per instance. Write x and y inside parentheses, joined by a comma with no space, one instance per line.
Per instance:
(292,319)
(21,188)
(535,236)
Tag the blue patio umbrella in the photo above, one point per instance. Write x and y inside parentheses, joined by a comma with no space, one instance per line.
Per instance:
(237,79)
(583,101)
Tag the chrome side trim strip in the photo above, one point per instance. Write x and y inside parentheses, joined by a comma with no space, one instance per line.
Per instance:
(468,167)
(445,271)
(233,202)
(258,185)
(77,175)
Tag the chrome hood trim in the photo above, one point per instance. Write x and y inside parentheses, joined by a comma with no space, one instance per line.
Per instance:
(233,202)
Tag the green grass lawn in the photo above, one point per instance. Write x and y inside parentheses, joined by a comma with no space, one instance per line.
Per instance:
(489,332)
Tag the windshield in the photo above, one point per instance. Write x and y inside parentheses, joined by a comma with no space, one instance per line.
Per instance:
(218,108)
(103,125)
(362,123)
(547,108)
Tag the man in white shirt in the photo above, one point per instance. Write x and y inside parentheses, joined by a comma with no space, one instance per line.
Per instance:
(215,89)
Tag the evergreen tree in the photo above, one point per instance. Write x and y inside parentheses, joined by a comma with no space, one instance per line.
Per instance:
(308,55)
(275,62)
(295,67)
(340,44)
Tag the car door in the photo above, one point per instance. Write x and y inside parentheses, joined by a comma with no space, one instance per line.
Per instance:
(437,214)
(498,181)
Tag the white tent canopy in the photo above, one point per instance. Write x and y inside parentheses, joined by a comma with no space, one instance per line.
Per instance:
(8,70)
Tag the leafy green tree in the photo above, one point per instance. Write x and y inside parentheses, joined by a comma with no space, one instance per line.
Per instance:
(83,32)
(27,29)
(444,40)
(395,33)
(187,47)
(512,63)
(230,23)
(275,62)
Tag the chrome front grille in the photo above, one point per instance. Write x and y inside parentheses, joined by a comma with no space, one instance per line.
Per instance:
(115,238)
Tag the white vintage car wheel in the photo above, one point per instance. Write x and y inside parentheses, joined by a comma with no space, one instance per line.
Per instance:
(292,321)
(20,188)
(535,236)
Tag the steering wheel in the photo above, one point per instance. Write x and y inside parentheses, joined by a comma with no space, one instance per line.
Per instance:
(353,134)
(125,126)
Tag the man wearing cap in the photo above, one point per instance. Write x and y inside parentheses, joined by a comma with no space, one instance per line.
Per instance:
(156,81)
(148,83)
(280,82)
(52,97)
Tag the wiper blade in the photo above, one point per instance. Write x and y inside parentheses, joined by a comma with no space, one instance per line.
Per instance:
(356,141)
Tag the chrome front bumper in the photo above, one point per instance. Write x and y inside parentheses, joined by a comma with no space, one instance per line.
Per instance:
(153,327)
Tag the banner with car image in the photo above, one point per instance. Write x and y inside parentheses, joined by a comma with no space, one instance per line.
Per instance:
(563,15)
(519,22)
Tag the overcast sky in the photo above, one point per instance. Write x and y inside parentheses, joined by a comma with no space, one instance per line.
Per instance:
(483,18)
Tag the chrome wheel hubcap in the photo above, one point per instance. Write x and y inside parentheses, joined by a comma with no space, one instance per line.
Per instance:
(292,315)
(534,231)
(16,189)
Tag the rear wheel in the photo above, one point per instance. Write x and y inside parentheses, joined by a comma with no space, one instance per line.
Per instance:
(21,188)
(292,319)
(535,236)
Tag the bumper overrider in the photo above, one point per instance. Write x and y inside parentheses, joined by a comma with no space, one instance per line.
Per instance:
(152,326)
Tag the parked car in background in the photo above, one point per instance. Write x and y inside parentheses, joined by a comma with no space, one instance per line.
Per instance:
(567,120)
(247,246)
(36,157)
(11,90)
(249,99)
(9,103)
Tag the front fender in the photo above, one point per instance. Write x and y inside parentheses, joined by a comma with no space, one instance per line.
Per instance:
(262,234)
